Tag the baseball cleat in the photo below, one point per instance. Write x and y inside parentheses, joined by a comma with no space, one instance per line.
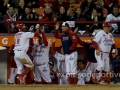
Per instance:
(103,82)
(20,78)
(2,48)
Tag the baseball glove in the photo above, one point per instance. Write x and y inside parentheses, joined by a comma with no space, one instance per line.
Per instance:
(12,53)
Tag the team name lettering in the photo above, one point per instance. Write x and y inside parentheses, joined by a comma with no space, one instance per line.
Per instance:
(65,38)
(107,40)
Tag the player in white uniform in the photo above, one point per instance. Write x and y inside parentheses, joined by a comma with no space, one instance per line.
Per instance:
(21,47)
(60,57)
(41,59)
(103,42)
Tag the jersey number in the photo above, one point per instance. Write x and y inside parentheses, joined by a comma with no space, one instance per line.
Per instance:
(17,41)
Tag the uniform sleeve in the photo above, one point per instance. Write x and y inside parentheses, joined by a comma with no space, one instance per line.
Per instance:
(74,41)
(56,55)
(31,34)
(58,35)
(53,48)
(44,39)
(82,43)
(96,40)
(114,45)
(11,48)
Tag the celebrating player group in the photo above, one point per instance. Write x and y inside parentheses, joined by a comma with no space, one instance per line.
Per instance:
(30,62)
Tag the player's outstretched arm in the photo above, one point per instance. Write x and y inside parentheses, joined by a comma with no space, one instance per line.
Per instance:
(56,34)
(11,51)
(53,49)
(44,37)
(82,43)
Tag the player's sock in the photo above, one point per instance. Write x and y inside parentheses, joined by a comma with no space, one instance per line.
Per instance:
(75,79)
(87,82)
(70,80)
(27,69)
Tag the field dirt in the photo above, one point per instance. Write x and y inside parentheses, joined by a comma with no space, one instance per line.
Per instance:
(60,87)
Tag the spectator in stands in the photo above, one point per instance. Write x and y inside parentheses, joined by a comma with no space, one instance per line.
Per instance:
(21,7)
(35,4)
(4,6)
(28,16)
(111,4)
(57,4)
(94,17)
(114,16)
(47,15)
(87,7)
(43,3)
(104,9)
(61,15)
(14,3)
(78,16)
(11,16)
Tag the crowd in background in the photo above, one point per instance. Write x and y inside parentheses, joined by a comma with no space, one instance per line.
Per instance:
(60,10)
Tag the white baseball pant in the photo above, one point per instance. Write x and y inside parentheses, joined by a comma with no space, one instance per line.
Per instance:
(21,58)
(90,67)
(63,79)
(13,73)
(42,71)
(103,62)
(71,63)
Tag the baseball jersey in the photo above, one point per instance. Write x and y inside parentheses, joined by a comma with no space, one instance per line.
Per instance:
(104,41)
(22,40)
(60,62)
(112,18)
(41,54)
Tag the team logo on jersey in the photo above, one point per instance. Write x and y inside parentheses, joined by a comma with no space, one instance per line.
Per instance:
(71,58)
(44,69)
(73,37)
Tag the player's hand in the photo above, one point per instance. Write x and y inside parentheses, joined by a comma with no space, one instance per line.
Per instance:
(57,25)
(31,28)
(54,40)
(97,52)
(37,26)
(42,29)
(76,30)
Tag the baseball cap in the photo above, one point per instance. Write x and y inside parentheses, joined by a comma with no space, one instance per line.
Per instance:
(106,24)
(65,24)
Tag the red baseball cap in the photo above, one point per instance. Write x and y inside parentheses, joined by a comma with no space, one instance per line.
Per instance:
(106,24)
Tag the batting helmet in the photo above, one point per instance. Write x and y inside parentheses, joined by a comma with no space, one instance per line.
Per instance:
(21,27)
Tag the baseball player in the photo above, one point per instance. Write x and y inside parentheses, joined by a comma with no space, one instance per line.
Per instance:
(69,44)
(103,42)
(41,59)
(21,47)
(13,67)
(53,75)
(81,72)
(90,50)
(60,57)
